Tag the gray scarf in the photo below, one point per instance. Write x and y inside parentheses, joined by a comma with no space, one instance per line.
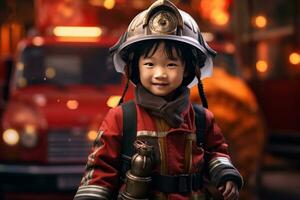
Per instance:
(158,106)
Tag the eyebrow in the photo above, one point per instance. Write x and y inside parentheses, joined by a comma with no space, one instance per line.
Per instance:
(174,59)
(171,58)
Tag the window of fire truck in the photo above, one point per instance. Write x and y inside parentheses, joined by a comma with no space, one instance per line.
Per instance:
(66,65)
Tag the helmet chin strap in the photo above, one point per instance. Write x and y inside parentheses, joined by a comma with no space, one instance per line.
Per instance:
(127,74)
(200,88)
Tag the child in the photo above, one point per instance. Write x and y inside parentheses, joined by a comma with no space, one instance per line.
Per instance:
(162,53)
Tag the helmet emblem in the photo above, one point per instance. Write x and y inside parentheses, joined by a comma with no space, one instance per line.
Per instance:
(163,23)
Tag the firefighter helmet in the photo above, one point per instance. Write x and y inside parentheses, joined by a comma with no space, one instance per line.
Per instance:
(163,20)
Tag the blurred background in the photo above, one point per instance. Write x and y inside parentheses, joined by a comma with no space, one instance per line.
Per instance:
(57,82)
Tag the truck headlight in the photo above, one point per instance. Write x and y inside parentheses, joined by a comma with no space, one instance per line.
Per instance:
(11,137)
(29,136)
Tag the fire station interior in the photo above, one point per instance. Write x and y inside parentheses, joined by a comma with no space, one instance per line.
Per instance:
(57,81)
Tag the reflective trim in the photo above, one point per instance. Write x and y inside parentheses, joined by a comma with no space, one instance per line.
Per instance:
(91,195)
(152,133)
(197,196)
(97,141)
(162,127)
(217,162)
(159,134)
(188,157)
(191,136)
(89,170)
(94,191)
(163,156)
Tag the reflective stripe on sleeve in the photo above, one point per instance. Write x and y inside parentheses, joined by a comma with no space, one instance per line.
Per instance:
(218,161)
(94,191)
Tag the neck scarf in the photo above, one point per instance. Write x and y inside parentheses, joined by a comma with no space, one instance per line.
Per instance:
(170,110)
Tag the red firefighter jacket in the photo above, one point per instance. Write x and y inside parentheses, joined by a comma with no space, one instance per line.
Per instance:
(175,152)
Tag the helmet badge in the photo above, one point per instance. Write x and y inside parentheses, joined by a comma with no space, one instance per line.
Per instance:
(163,22)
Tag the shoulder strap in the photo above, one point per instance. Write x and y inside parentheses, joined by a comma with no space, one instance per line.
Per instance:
(200,120)
(129,127)
(129,135)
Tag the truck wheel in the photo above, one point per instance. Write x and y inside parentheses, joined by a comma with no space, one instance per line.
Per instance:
(237,113)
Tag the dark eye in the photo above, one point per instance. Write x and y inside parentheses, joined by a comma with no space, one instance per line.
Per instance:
(171,65)
(149,64)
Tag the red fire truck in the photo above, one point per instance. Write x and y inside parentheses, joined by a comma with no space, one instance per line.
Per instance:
(59,93)
(61,86)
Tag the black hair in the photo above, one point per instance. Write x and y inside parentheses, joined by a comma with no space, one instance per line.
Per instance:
(190,56)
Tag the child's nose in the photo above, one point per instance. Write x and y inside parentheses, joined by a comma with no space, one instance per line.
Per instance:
(160,72)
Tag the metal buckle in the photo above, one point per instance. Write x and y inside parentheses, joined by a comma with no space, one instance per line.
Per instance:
(184,183)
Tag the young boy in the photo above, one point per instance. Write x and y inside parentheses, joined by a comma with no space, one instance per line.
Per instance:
(162,53)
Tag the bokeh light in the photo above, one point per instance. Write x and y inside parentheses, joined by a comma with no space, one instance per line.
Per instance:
(261,66)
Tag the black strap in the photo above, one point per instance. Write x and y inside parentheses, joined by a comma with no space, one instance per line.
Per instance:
(129,134)
(200,120)
(182,183)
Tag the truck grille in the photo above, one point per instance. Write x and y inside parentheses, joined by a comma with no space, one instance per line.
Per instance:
(68,145)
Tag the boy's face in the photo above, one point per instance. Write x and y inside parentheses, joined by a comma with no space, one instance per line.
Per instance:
(160,74)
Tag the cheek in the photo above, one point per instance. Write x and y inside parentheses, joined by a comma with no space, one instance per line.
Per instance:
(144,74)
(178,75)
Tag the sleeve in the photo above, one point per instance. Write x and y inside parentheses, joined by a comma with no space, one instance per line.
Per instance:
(220,167)
(101,177)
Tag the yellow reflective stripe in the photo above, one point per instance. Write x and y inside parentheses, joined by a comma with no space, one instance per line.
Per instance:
(163,129)
(188,155)
(152,133)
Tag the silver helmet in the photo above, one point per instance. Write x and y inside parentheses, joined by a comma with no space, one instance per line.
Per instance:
(163,20)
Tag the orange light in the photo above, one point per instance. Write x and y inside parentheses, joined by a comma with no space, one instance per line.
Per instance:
(38,41)
(294,58)
(109,4)
(92,135)
(4,39)
(50,72)
(261,66)
(72,104)
(217,11)
(260,21)
(229,47)
(208,37)
(205,7)
(113,101)
(11,137)
(77,39)
(219,17)
(77,31)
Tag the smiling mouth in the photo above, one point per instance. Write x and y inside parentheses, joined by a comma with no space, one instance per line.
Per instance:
(160,84)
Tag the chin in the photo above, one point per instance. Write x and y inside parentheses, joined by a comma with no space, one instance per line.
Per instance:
(160,93)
